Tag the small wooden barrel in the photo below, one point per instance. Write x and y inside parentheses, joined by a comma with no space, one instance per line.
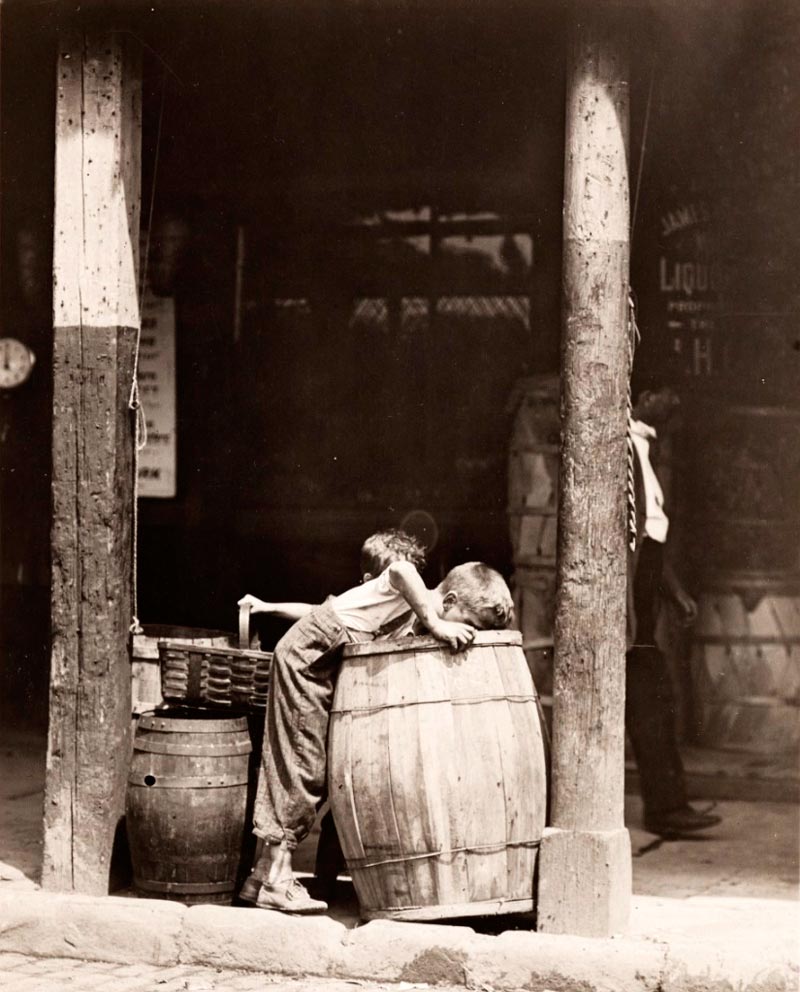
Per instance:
(185,813)
(437,777)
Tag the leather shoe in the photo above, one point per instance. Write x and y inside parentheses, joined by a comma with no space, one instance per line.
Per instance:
(288,896)
(676,822)
(250,890)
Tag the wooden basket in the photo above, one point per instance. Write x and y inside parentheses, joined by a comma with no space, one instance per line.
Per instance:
(196,675)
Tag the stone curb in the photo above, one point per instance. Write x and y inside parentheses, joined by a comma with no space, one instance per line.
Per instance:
(130,931)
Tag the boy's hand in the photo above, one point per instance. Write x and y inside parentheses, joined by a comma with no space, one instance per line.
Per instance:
(457,635)
(256,605)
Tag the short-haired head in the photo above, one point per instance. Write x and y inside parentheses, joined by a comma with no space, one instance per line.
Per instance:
(386,546)
(480,594)
(653,396)
(648,377)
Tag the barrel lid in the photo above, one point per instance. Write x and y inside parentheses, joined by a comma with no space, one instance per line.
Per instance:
(402,645)
(187,721)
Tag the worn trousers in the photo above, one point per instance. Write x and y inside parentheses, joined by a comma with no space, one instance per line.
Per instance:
(649,695)
(292,776)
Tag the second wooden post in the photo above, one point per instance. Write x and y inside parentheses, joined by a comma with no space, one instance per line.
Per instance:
(585,867)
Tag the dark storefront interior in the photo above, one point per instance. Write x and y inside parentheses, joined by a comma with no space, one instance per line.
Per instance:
(357,210)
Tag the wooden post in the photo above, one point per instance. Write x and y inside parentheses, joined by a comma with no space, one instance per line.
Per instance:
(585,868)
(96,316)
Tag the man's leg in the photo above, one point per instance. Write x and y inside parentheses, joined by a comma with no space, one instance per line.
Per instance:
(650,722)
(650,712)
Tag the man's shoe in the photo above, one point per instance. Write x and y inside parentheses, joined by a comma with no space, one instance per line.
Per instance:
(249,891)
(288,896)
(676,822)
(322,887)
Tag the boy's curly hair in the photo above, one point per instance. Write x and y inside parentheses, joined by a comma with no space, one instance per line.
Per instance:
(386,546)
(482,590)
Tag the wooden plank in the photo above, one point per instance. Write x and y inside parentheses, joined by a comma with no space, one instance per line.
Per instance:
(786,618)
(96,316)
(441,775)
(590,608)
(405,758)
(473,679)
(589,633)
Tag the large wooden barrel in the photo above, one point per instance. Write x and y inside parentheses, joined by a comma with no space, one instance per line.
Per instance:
(186,803)
(746,670)
(533,466)
(533,462)
(437,777)
(746,520)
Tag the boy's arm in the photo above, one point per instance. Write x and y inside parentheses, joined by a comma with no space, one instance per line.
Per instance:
(408,582)
(286,611)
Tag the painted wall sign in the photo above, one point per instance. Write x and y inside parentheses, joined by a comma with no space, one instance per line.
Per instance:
(689,282)
(157,460)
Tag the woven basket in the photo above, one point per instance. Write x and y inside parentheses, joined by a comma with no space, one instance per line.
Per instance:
(196,675)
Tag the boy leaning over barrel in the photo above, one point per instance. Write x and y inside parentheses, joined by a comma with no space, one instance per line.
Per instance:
(378,551)
(305,663)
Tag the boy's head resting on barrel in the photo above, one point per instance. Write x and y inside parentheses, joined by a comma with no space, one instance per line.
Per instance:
(384,547)
(476,594)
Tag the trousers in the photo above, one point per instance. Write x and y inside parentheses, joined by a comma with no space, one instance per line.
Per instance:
(649,695)
(292,776)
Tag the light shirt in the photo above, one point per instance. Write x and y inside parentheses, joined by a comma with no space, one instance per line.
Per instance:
(370,606)
(656,522)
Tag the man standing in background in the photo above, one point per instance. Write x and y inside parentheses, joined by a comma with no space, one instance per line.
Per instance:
(650,699)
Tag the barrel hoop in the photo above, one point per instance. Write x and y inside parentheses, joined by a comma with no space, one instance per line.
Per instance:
(472,700)
(761,702)
(362,863)
(193,750)
(194,888)
(422,912)
(219,858)
(780,412)
(152,721)
(543,447)
(784,640)
(783,521)
(529,510)
(404,645)
(187,781)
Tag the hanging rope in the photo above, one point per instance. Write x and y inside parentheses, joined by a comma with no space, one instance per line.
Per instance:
(634,335)
(642,149)
(633,341)
(134,399)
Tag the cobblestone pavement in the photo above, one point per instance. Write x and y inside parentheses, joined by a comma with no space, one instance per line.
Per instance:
(19,973)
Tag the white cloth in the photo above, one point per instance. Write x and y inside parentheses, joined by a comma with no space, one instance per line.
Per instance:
(656,522)
(368,607)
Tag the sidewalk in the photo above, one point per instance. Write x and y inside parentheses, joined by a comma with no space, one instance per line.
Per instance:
(718,913)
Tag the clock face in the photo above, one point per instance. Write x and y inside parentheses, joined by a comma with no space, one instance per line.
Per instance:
(16,362)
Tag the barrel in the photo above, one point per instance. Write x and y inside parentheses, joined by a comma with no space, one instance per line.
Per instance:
(186,804)
(746,535)
(533,466)
(746,670)
(437,777)
(533,463)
